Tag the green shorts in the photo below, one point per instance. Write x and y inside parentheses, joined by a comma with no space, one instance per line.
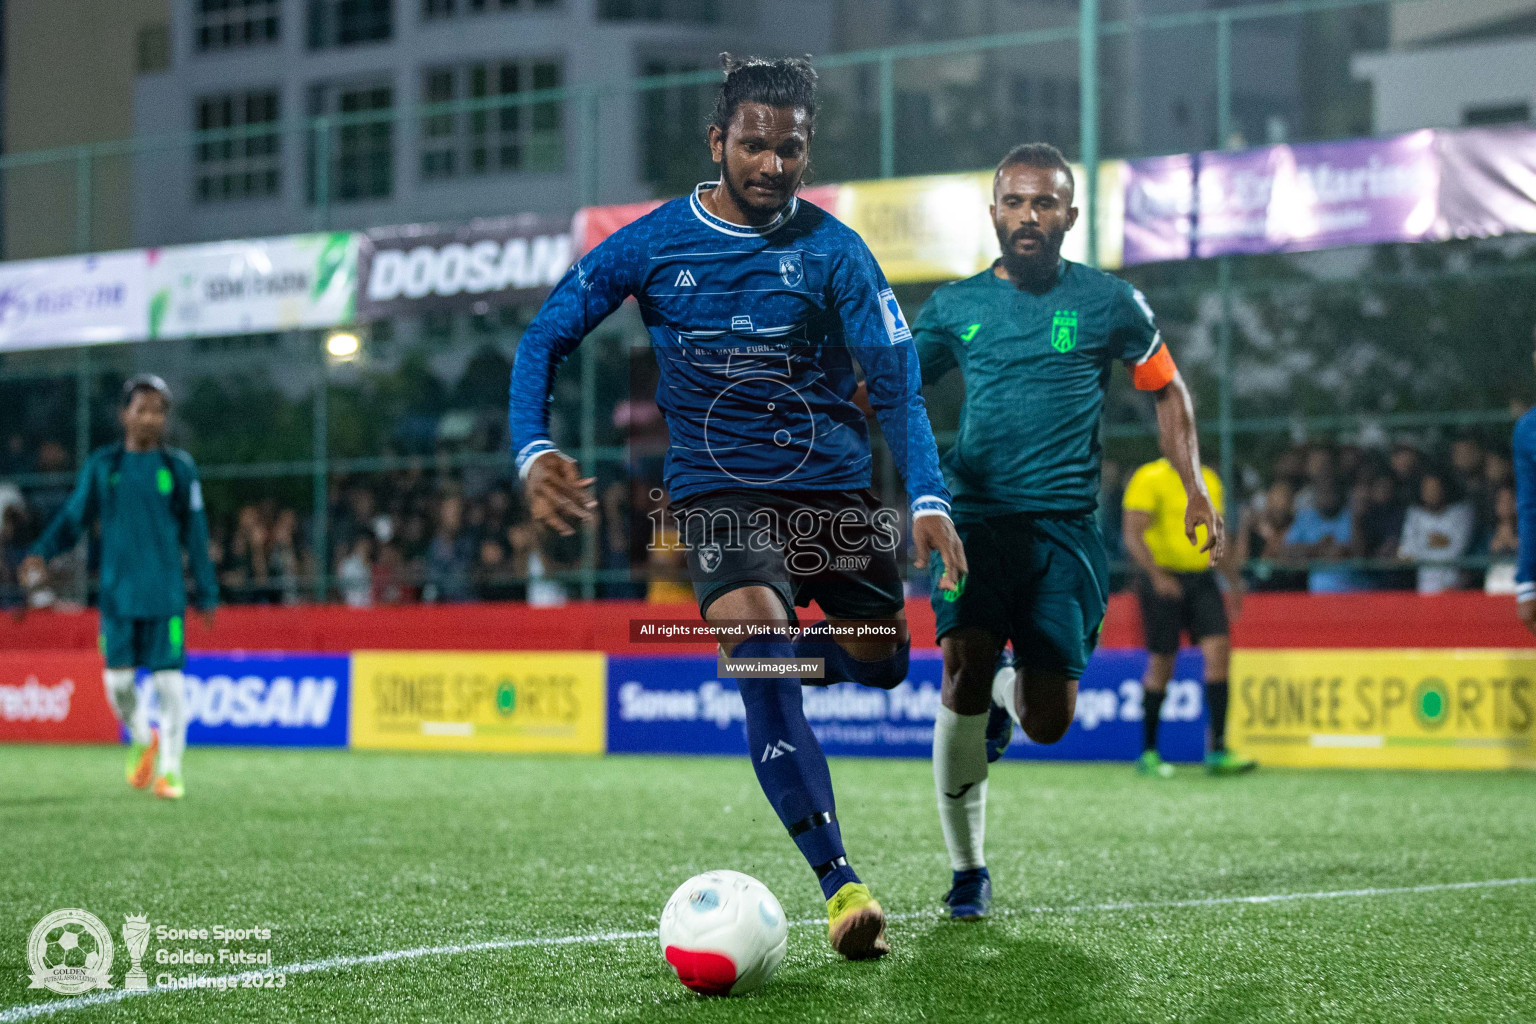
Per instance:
(154,644)
(1039,581)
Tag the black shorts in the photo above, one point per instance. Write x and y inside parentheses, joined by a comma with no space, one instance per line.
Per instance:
(837,548)
(1201,612)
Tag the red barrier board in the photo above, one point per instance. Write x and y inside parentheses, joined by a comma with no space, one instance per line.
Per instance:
(54,697)
(1378,620)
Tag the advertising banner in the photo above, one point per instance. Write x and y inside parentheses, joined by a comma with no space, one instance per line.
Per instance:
(253,285)
(471,268)
(74,300)
(674,704)
(267,700)
(1159,209)
(1385,709)
(1289,198)
(54,697)
(924,229)
(1487,182)
(507,702)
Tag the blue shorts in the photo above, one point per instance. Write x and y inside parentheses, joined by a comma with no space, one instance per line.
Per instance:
(1040,581)
(154,644)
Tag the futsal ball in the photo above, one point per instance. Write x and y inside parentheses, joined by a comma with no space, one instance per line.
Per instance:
(724,933)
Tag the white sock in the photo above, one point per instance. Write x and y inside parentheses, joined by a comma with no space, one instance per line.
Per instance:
(1005,691)
(123,695)
(960,778)
(173,719)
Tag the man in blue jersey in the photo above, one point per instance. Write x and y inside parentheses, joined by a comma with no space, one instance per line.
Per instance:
(149,503)
(1525,498)
(1036,337)
(758,305)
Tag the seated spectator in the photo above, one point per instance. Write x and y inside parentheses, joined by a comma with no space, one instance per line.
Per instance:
(1379,524)
(449,555)
(1407,465)
(1505,539)
(1322,533)
(1436,530)
(354,574)
(1319,465)
(389,571)
(1503,544)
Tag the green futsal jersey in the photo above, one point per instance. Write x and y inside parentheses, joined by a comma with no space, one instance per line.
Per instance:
(1036,367)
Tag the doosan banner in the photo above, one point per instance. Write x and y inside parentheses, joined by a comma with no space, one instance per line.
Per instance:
(674,704)
(473,267)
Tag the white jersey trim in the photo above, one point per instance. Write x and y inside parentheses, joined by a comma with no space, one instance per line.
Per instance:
(739,230)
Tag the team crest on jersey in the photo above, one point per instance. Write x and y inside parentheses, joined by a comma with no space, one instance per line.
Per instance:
(791,270)
(1064,330)
(709,557)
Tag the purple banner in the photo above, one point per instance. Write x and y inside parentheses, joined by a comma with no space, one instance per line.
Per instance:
(1283,198)
(1290,198)
(1487,182)
(1159,209)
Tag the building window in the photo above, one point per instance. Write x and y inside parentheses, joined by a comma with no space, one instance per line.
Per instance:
(350,22)
(362,152)
(1503,113)
(524,137)
(248,164)
(672,120)
(435,9)
(233,24)
(697,12)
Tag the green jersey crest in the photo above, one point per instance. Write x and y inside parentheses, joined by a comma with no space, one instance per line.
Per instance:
(1064,330)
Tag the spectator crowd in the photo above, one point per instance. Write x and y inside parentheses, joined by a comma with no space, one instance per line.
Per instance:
(1329,518)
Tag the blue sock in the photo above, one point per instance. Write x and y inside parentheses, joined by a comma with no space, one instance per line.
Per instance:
(790,765)
(842,667)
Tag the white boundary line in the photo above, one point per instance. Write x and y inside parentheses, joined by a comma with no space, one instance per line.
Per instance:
(30,1011)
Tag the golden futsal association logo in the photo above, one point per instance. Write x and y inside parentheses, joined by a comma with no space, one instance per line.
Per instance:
(70,952)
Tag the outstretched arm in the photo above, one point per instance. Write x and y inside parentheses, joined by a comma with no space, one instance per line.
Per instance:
(65,530)
(1180,443)
(558,496)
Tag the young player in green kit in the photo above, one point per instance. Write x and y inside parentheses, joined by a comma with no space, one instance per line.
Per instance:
(149,503)
(1036,337)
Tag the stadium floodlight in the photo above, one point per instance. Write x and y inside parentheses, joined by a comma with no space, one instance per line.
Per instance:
(342,345)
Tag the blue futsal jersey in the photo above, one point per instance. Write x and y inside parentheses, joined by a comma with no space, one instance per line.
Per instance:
(756,331)
(1525,497)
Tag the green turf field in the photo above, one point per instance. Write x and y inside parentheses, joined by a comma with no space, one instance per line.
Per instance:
(1120,899)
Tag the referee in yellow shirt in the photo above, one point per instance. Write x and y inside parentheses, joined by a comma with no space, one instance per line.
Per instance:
(1178,593)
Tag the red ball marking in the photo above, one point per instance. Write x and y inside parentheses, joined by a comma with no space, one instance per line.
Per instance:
(710,974)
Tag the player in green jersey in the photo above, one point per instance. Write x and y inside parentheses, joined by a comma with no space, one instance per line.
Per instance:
(149,503)
(1036,337)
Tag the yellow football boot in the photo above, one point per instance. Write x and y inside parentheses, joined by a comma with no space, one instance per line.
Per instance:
(856,924)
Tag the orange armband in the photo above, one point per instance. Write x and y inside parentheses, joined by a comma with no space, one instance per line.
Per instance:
(1154,373)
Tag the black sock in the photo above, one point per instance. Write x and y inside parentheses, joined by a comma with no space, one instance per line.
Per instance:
(1151,712)
(1216,707)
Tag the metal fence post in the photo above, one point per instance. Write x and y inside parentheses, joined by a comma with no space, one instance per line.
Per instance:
(887,116)
(320,538)
(1224,133)
(83,199)
(590,148)
(589,544)
(322,173)
(1224,81)
(1088,124)
(82,404)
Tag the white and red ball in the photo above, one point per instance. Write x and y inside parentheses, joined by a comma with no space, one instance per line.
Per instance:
(724,933)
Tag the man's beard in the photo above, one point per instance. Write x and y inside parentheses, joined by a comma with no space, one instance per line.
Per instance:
(1041,266)
(755,212)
